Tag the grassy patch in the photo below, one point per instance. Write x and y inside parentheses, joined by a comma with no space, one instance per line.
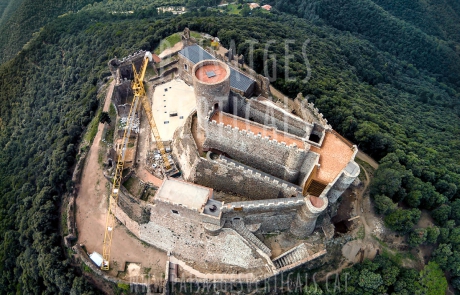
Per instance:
(147,193)
(234,8)
(398,257)
(149,73)
(147,270)
(112,112)
(122,286)
(394,255)
(109,135)
(92,128)
(366,165)
(86,268)
(64,228)
(100,155)
(133,186)
(267,236)
(195,35)
(168,42)
(129,184)
(361,234)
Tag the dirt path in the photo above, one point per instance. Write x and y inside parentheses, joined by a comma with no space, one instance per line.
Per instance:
(361,209)
(169,51)
(366,158)
(277,93)
(92,203)
(92,195)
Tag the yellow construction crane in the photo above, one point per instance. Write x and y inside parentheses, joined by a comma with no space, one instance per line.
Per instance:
(113,199)
(139,94)
(139,91)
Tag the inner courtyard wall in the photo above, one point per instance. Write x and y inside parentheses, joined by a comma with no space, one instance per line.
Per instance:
(222,175)
(270,156)
(233,179)
(267,216)
(268,115)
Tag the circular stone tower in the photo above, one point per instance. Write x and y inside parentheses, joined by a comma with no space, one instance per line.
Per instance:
(211,81)
(304,223)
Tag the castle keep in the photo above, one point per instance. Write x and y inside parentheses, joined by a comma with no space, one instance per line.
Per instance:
(278,171)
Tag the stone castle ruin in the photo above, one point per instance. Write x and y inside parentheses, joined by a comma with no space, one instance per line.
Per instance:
(280,172)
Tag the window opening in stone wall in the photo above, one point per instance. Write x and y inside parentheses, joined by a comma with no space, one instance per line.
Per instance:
(314,138)
(175,211)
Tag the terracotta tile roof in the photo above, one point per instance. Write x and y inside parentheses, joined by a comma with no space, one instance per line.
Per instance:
(334,157)
(267,7)
(244,124)
(156,58)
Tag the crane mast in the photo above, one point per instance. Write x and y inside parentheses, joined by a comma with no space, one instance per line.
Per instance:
(116,183)
(139,94)
(139,91)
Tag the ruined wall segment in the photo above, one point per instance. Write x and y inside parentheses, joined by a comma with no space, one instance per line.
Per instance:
(121,92)
(122,69)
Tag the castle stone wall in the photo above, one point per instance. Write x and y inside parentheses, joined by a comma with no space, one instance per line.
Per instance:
(310,161)
(188,239)
(126,220)
(264,154)
(121,92)
(185,67)
(344,181)
(123,68)
(304,222)
(274,215)
(307,111)
(235,179)
(132,206)
(224,175)
(268,115)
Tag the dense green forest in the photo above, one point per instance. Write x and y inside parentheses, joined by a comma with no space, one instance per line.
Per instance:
(385,81)
(28,18)
(7,8)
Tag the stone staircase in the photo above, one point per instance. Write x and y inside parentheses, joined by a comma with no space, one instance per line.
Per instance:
(240,228)
(292,256)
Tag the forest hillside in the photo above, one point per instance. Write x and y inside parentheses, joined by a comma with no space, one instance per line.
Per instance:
(384,79)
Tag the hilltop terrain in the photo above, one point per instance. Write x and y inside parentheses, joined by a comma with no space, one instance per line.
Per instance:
(385,73)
